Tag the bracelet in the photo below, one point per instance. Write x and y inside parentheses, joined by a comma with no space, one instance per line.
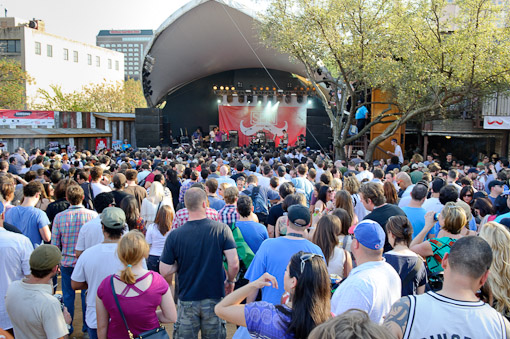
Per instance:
(231,282)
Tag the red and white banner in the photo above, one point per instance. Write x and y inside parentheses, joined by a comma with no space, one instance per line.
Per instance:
(27,118)
(496,122)
(248,120)
(101,143)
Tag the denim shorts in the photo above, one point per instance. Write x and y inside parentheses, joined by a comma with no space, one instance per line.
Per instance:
(199,316)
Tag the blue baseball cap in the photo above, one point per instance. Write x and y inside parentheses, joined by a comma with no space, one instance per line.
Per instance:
(370,234)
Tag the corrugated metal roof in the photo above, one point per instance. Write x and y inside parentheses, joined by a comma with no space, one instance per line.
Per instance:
(112,116)
(36,133)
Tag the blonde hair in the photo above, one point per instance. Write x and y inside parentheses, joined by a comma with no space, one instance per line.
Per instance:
(498,238)
(351,184)
(353,323)
(131,250)
(336,184)
(454,218)
(156,193)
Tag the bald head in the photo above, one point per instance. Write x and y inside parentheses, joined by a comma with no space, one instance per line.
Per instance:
(223,170)
(406,179)
(194,199)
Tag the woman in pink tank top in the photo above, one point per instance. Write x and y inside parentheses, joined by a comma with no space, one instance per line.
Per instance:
(139,292)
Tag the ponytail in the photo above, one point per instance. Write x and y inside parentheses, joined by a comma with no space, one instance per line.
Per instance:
(131,250)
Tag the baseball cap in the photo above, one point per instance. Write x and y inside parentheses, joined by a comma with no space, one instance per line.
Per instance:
(113,217)
(299,215)
(2,208)
(370,234)
(472,170)
(495,183)
(376,163)
(45,257)
(360,153)
(414,166)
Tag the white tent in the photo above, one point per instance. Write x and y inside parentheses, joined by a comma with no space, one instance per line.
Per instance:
(203,38)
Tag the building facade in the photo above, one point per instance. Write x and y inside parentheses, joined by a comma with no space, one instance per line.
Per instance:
(132,43)
(53,60)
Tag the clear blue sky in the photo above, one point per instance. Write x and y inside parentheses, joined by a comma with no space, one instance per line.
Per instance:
(82,20)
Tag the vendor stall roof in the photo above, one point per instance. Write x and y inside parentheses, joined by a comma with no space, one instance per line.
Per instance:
(207,37)
(38,133)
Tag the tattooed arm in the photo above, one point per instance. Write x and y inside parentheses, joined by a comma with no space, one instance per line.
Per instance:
(396,320)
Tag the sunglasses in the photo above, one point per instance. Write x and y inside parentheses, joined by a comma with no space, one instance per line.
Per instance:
(468,195)
(308,256)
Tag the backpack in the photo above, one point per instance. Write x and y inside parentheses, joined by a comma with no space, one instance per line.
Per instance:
(259,205)
(244,252)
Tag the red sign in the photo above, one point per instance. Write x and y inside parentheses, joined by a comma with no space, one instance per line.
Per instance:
(101,144)
(27,118)
(248,120)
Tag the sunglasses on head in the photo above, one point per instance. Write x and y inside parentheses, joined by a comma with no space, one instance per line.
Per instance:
(308,256)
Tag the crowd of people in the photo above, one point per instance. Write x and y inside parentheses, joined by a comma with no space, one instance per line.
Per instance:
(283,243)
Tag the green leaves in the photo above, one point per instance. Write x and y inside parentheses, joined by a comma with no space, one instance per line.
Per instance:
(12,84)
(121,97)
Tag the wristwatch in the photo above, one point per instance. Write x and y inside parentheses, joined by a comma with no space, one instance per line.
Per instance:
(231,282)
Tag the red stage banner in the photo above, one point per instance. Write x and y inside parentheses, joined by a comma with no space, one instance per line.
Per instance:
(101,144)
(27,118)
(248,120)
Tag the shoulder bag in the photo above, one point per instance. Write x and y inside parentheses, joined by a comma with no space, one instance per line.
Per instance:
(157,333)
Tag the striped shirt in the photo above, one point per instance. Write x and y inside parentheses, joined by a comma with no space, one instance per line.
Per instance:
(182,216)
(66,227)
(228,214)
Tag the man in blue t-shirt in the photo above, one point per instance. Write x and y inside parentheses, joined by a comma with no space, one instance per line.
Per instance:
(31,221)
(253,232)
(303,185)
(274,255)
(361,117)
(414,212)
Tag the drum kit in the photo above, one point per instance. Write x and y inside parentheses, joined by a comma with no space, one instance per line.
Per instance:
(258,139)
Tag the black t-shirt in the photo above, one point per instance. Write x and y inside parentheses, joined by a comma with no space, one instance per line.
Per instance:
(404,264)
(56,207)
(197,247)
(381,216)
(118,196)
(274,213)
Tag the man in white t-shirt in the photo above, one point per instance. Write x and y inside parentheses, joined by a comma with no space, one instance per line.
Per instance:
(374,285)
(98,262)
(96,176)
(32,308)
(91,233)
(433,203)
(398,151)
(16,249)
(265,179)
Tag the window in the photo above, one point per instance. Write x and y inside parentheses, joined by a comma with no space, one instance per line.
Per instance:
(37,48)
(125,49)
(116,65)
(10,46)
(75,56)
(109,63)
(66,54)
(130,45)
(130,49)
(102,45)
(49,51)
(107,45)
(89,59)
(98,61)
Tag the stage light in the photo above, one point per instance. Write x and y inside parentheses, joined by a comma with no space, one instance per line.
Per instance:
(219,101)
(221,88)
(267,88)
(215,88)
(274,88)
(261,88)
(309,102)
(232,88)
(227,88)
(448,137)
(249,101)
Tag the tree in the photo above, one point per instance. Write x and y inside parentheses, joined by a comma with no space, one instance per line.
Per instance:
(120,97)
(425,59)
(12,84)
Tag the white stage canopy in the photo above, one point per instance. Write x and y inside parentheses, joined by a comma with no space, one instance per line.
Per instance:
(203,38)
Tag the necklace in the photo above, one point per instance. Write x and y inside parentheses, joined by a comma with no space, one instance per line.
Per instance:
(297,235)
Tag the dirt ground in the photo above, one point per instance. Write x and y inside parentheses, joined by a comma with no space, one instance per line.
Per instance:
(77,323)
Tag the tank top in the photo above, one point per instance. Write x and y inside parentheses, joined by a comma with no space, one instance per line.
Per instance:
(434,316)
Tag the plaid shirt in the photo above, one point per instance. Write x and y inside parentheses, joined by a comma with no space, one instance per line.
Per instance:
(478,185)
(184,188)
(66,227)
(228,214)
(182,216)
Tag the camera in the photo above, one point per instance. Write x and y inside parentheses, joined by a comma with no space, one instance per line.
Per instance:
(60,298)
(436,216)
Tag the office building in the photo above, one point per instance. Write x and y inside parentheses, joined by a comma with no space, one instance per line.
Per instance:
(132,43)
(54,60)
